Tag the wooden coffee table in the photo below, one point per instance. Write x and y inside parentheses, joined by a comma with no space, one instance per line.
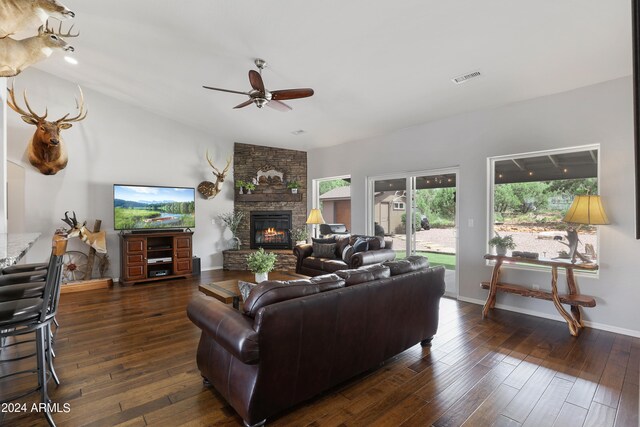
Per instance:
(227,291)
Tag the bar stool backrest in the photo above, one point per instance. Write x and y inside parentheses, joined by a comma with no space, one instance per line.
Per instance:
(51,294)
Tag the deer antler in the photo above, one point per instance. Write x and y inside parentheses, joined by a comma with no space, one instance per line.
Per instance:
(71,222)
(67,34)
(14,105)
(82,113)
(217,171)
(226,169)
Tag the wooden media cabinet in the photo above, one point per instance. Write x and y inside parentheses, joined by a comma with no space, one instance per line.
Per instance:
(572,298)
(146,257)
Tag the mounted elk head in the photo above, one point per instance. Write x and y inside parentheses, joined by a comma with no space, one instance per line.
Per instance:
(46,149)
(16,55)
(17,15)
(208,189)
(96,240)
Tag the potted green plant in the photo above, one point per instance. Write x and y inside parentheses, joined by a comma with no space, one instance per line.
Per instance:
(502,244)
(249,186)
(240,184)
(261,263)
(299,235)
(293,186)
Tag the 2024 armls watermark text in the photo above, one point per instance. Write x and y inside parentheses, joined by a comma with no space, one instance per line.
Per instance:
(11,407)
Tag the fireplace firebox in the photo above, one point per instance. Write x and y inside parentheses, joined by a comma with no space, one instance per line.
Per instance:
(270,229)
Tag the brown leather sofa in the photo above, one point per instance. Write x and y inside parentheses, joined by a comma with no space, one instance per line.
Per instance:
(294,340)
(379,250)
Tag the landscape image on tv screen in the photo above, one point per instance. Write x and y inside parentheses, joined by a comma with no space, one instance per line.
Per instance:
(140,207)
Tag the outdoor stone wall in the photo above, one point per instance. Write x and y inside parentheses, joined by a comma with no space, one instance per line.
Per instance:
(237,260)
(274,194)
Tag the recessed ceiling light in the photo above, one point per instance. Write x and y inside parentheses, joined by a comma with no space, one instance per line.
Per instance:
(71,60)
(298,132)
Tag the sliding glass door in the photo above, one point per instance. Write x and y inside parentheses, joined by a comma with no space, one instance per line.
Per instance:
(418,211)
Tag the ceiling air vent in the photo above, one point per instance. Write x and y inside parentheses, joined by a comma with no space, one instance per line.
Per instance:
(466,77)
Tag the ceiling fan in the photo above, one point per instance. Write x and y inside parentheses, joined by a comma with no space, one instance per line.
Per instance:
(261,96)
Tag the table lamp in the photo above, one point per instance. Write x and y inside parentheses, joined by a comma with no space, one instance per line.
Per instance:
(584,210)
(315,217)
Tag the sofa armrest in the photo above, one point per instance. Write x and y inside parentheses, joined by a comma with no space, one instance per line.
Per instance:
(371,257)
(227,326)
(301,252)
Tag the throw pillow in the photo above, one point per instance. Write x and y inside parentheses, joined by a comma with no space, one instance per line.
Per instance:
(324,241)
(324,250)
(245,289)
(360,245)
(346,253)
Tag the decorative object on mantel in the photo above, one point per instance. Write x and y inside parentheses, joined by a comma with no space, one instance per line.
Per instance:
(299,235)
(293,186)
(261,263)
(16,16)
(260,96)
(17,55)
(209,189)
(586,210)
(502,244)
(268,174)
(245,186)
(232,220)
(46,149)
(315,218)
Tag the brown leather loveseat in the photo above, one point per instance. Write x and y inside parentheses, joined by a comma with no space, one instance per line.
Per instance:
(292,340)
(377,250)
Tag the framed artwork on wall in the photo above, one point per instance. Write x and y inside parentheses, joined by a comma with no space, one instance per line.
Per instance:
(635,34)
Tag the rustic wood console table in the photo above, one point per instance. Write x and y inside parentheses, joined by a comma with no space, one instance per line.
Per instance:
(573,298)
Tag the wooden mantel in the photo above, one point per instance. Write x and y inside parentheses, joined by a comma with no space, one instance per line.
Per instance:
(268,197)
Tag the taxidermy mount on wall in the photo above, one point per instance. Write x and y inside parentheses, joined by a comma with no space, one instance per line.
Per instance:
(19,15)
(16,55)
(209,189)
(46,149)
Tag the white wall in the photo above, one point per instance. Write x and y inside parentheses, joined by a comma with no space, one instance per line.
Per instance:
(597,114)
(116,143)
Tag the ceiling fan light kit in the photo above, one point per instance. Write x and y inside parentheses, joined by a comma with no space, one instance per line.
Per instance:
(260,96)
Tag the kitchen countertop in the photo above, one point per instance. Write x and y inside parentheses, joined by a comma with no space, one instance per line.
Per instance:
(13,246)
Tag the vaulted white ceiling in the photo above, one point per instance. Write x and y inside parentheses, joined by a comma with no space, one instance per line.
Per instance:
(375,65)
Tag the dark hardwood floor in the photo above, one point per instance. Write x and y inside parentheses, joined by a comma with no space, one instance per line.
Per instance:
(126,356)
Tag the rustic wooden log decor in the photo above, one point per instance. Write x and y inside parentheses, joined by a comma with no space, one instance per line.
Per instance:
(572,298)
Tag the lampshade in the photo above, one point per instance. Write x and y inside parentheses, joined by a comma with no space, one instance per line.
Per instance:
(586,210)
(315,217)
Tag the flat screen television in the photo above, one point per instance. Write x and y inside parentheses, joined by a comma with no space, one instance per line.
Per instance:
(143,207)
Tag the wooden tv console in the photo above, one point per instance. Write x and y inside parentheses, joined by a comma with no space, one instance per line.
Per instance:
(147,257)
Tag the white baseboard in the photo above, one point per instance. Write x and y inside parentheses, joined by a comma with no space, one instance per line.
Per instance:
(594,325)
(212,268)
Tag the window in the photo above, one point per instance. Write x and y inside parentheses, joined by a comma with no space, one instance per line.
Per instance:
(333,198)
(398,206)
(530,194)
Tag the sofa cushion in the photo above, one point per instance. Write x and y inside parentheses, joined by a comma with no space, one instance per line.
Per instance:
(376,243)
(324,250)
(379,271)
(407,265)
(312,262)
(360,245)
(273,291)
(328,282)
(355,276)
(333,265)
(341,243)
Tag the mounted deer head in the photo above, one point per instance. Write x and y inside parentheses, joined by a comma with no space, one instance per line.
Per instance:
(18,15)
(16,55)
(210,189)
(46,149)
(96,240)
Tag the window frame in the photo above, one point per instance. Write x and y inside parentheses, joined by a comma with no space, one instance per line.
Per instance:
(490,201)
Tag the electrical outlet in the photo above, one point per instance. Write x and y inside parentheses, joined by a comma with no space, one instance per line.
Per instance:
(535,287)
(213,221)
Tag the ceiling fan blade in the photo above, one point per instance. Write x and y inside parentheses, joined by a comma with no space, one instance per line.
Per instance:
(279,95)
(256,81)
(280,106)
(244,104)
(226,90)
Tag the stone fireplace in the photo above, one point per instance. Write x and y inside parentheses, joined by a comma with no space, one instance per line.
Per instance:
(270,229)
(271,197)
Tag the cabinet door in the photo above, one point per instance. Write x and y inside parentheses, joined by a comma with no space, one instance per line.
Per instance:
(182,255)
(135,258)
